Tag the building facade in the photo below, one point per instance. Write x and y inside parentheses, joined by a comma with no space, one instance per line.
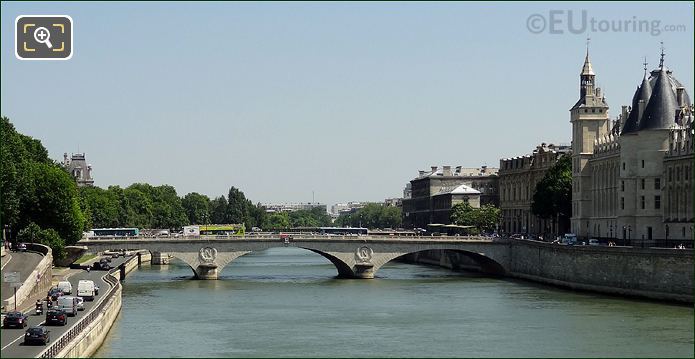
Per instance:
(628,175)
(518,178)
(79,169)
(433,193)
(291,207)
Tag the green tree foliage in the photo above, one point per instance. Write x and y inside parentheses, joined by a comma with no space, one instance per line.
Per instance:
(277,220)
(197,207)
(57,203)
(553,194)
(372,215)
(237,207)
(484,219)
(32,233)
(218,210)
(36,190)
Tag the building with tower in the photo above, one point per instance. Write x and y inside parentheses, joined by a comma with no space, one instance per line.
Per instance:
(79,169)
(632,177)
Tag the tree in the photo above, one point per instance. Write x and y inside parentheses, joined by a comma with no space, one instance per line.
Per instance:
(57,205)
(277,220)
(237,206)
(218,211)
(484,219)
(553,194)
(372,215)
(197,207)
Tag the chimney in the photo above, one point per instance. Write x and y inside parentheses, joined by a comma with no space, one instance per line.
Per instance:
(458,170)
(680,91)
(421,173)
(447,170)
(434,169)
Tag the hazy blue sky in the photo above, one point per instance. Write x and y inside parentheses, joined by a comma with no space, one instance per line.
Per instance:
(347,100)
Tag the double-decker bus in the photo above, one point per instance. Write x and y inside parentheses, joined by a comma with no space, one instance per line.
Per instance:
(215,230)
(114,232)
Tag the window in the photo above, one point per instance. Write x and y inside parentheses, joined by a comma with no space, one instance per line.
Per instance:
(670,174)
(657,183)
(642,163)
(686,173)
(643,182)
(642,201)
(622,202)
(593,110)
(622,186)
(623,166)
(657,202)
(678,173)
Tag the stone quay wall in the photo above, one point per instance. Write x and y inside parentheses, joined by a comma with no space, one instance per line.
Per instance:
(654,273)
(91,335)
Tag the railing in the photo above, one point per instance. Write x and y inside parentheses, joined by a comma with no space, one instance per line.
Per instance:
(67,337)
(297,236)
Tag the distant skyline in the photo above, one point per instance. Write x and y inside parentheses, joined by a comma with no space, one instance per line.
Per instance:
(345,100)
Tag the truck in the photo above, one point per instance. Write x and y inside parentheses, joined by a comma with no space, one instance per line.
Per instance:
(85,289)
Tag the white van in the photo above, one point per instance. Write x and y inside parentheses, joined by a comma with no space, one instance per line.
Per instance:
(65,286)
(68,304)
(85,289)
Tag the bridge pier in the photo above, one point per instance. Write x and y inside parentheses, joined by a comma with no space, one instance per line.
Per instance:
(160,258)
(364,271)
(206,272)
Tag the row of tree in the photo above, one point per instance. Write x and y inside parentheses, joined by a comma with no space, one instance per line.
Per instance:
(483,219)
(372,215)
(36,192)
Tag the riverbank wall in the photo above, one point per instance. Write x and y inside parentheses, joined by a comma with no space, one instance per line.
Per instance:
(653,273)
(39,281)
(85,338)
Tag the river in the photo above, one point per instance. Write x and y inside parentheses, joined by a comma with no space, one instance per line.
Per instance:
(285,302)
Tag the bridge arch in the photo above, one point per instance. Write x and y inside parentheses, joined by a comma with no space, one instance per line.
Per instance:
(449,256)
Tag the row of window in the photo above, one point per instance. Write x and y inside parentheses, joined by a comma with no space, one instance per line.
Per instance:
(657,202)
(686,173)
(643,184)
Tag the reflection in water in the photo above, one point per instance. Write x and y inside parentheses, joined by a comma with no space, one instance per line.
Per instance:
(287,302)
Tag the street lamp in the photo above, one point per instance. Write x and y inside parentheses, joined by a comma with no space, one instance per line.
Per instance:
(629,234)
(610,227)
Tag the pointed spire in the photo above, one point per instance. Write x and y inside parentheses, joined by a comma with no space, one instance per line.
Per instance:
(587,69)
(660,112)
(661,62)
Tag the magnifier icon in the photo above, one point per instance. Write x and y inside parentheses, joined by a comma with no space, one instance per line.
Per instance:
(43,36)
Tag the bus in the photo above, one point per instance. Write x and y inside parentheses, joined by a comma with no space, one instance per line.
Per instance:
(114,232)
(215,230)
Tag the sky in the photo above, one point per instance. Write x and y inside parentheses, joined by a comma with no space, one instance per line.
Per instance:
(339,101)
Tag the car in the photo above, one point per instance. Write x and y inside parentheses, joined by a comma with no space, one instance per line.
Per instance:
(55,293)
(38,334)
(22,247)
(96,289)
(65,286)
(15,320)
(80,303)
(56,316)
(593,242)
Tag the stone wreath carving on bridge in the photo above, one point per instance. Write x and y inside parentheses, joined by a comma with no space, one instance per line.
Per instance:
(207,254)
(363,254)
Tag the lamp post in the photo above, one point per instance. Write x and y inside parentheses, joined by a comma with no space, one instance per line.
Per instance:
(629,235)
(610,228)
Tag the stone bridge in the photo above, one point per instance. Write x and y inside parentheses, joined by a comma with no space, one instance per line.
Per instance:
(353,256)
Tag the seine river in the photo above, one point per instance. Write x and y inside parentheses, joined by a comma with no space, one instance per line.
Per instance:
(285,302)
